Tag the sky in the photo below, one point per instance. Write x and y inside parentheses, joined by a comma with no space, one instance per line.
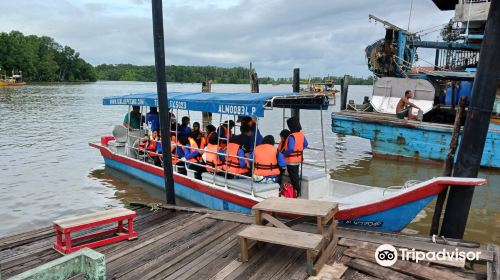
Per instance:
(322,38)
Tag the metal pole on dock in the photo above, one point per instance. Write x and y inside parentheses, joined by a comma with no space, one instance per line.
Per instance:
(161,87)
(476,126)
(296,89)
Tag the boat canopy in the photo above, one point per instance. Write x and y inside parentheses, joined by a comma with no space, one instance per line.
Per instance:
(243,104)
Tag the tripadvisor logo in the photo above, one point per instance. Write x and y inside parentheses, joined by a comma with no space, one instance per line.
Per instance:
(387,255)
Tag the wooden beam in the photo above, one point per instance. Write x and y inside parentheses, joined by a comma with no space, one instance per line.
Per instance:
(275,222)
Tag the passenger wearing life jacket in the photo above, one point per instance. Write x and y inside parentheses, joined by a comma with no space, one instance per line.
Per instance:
(210,129)
(224,132)
(213,161)
(189,155)
(198,136)
(249,143)
(269,163)
(236,161)
(283,136)
(148,143)
(293,151)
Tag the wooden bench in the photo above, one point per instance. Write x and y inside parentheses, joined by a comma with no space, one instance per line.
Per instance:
(311,242)
(66,226)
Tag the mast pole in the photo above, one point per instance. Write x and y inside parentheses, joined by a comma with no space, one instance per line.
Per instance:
(476,126)
(161,87)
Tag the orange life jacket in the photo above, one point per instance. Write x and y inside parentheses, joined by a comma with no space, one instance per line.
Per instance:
(228,134)
(208,136)
(203,144)
(192,149)
(296,155)
(151,147)
(173,146)
(232,160)
(281,145)
(266,161)
(212,158)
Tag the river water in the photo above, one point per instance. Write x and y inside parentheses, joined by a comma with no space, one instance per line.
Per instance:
(47,169)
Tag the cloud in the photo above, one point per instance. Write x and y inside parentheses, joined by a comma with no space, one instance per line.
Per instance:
(320,37)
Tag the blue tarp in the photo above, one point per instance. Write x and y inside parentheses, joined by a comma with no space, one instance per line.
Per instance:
(244,104)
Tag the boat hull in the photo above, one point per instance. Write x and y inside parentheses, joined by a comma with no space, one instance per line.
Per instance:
(11,84)
(391,216)
(392,137)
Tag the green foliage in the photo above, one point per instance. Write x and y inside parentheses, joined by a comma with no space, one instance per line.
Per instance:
(197,74)
(42,59)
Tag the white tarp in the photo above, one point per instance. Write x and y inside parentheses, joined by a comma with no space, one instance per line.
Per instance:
(387,92)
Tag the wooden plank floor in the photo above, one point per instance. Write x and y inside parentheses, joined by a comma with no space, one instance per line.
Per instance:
(192,243)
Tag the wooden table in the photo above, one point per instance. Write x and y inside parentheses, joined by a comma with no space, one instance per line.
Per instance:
(322,211)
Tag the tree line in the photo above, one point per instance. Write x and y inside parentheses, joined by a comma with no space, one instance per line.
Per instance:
(198,74)
(42,59)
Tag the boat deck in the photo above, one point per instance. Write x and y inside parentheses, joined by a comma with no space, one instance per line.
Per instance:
(196,243)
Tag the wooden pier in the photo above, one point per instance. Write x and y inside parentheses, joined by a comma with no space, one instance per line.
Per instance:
(196,243)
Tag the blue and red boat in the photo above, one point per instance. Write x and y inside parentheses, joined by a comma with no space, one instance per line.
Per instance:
(360,206)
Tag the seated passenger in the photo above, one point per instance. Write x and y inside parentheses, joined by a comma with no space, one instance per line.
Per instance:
(246,136)
(236,163)
(224,132)
(198,136)
(252,123)
(213,161)
(184,129)
(269,162)
(188,153)
(210,130)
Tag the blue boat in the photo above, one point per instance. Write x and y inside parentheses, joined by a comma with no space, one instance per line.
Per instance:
(368,207)
(436,90)
(414,140)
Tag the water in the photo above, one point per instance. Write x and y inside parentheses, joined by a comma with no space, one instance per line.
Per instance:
(47,169)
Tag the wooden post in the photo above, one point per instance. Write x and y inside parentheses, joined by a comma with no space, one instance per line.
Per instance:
(161,87)
(206,86)
(296,89)
(448,165)
(344,86)
(254,81)
(476,126)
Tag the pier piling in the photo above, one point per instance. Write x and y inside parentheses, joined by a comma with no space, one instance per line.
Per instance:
(296,88)
(161,87)
(476,126)
(344,87)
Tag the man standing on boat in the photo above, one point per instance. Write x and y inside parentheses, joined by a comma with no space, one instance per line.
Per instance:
(134,118)
(293,151)
(404,106)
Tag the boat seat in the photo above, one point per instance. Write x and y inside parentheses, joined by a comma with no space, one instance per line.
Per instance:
(244,185)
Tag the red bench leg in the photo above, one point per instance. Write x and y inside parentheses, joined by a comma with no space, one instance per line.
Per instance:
(120,227)
(67,239)
(131,233)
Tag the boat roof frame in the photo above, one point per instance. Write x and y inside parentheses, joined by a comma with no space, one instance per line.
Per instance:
(240,104)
